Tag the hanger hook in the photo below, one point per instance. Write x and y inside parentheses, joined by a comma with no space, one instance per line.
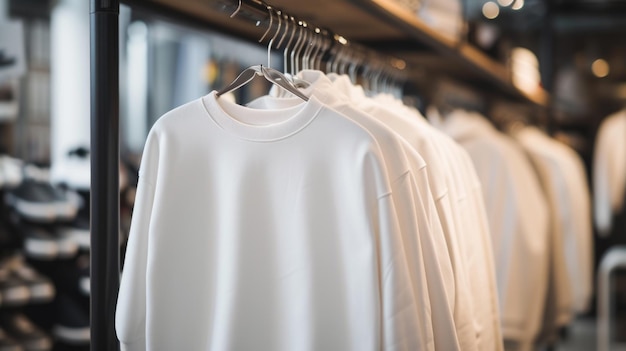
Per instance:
(317,48)
(269,10)
(269,45)
(328,44)
(296,47)
(293,32)
(307,50)
(313,42)
(282,38)
(305,40)
(237,10)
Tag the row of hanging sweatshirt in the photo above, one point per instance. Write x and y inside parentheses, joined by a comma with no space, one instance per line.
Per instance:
(342,221)
(609,176)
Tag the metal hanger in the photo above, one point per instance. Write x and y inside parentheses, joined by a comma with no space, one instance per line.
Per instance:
(307,50)
(282,38)
(321,44)
(353,64)
(336,56)
(296,47)
(344,62)
(286,51)
(334,50)
(298,83)
(232,15)
(269,45)
(270,74)
(326,45)
(269,27)
(305,40)
(341,57)
(315,48)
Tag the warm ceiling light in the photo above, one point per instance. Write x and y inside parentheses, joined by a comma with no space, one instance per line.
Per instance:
(600,68)
(491,10)
(399,64)
(505,3)
(518,5)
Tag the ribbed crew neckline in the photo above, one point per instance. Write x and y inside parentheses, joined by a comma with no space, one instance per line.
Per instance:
(259,124)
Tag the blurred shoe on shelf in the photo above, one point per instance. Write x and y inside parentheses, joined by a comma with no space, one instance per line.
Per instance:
(39,243)
(68,202)
(20,328)
(40,287)
(41,202)
(31,201)
(47,242)
(78,230)
(72,325)
(14,291)
(7,343)
(67,244)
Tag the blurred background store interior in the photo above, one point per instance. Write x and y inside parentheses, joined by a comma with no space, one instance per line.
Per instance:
(559,63)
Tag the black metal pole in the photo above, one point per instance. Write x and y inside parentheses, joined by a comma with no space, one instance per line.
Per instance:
(104,173)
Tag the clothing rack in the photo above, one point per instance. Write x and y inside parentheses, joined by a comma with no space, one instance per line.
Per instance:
(340,49)
(105,223)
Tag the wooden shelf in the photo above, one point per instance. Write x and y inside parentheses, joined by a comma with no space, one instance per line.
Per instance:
(368,21)
(487,69)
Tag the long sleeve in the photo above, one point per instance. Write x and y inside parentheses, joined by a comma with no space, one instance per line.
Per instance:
(402,322)
(130,317)
(280,243)
(429,266)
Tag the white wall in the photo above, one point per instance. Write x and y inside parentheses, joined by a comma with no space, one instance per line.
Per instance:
(70,90)
(3,9)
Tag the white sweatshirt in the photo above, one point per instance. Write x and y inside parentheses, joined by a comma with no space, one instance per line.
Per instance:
(417,215)
(609,171)
(546,155)
(517,215)
(468,245)
(264,230)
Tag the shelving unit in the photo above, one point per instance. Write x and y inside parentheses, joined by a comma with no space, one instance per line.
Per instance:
(470,57)
(371,22)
